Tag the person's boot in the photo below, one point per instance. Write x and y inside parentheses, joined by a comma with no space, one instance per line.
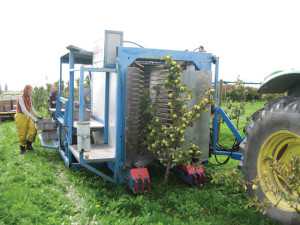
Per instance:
(22,150)
(29,145)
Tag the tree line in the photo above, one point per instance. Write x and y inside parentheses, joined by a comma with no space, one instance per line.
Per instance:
(238,91)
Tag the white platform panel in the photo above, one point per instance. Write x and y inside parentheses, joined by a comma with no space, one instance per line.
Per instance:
(98,153)
(112,109)
(94,124)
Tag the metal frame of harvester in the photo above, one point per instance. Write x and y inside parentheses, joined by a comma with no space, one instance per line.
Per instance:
(125,56)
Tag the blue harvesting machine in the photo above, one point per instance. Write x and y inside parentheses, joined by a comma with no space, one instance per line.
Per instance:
(96,118)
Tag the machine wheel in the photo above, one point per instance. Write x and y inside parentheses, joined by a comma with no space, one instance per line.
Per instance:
(273,133)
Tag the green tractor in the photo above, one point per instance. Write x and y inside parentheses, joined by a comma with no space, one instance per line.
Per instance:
(273,140)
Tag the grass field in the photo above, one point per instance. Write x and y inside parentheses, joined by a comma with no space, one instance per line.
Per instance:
(36,188)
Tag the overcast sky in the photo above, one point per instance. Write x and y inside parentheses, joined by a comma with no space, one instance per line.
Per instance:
(252,38)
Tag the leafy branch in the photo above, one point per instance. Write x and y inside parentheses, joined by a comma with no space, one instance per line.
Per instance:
(166,137)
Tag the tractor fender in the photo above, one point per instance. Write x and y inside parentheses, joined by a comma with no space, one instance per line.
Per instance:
(281,82)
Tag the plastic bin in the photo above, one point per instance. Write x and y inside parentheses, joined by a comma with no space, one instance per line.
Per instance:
(83,136)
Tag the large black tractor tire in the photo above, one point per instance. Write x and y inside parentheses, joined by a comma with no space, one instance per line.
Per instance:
(280,115)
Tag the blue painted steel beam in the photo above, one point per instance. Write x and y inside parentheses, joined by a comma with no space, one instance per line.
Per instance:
(233,155)
(219,113)
(120,129)
(69,108)
(71,98)
(229,124)
(126,56)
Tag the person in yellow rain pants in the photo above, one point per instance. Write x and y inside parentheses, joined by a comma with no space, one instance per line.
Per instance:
(25,118)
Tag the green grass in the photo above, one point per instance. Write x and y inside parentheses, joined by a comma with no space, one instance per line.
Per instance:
(37,189)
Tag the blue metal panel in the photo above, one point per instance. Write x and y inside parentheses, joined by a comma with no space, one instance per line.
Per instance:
(106,112)
(81,96)
(126,56)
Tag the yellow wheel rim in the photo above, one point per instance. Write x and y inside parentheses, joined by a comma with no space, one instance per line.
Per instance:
(280,147)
